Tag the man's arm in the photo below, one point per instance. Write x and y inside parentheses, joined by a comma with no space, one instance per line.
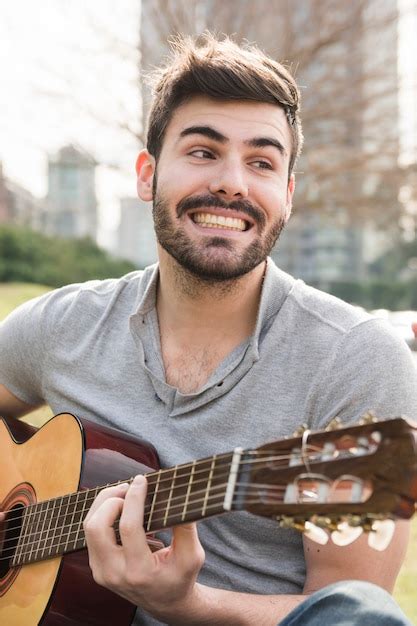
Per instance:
(357,561)
(164,583)
(11,406)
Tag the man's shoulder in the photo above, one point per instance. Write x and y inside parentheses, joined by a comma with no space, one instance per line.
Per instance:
(348,328)
(324,309)
(100,294)
(93,299)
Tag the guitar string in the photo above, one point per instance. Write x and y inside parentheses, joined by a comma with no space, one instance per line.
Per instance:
(34,509)
(151,475)
(160,509)
(91,499)
(82,539)
(192,502)
(219,497)
(151,502)
(92,496)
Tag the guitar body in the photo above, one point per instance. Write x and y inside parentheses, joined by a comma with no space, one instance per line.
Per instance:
(64,456)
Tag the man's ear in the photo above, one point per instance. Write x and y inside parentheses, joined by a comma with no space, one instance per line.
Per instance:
(145,170)
(290,193)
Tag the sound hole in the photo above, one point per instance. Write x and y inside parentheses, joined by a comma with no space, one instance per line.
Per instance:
(21,496)
(9,536)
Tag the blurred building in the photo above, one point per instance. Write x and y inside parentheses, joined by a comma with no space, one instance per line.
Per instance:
(345,57)
(136,240)
(71,204)
(17,205)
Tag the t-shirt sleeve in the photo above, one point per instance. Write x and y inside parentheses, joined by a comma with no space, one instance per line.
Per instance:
(371,369)
(25,339)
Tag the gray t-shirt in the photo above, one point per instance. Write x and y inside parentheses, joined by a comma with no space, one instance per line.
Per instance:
(94,350)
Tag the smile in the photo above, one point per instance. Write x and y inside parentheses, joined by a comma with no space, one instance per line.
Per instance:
(209,220)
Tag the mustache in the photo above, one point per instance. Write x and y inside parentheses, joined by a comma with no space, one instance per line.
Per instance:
(209,201)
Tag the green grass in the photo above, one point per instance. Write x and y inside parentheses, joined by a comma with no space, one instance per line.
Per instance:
(13,294)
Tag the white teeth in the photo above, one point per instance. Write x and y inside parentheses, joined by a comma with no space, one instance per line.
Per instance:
(208,220)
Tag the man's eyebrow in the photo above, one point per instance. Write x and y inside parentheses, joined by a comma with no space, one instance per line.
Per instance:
(215,135)
(207,131)
(263,142)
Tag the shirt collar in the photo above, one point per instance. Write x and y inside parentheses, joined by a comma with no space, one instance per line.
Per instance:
(275,288)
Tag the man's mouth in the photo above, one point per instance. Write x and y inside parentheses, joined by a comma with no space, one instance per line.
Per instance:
(209,220)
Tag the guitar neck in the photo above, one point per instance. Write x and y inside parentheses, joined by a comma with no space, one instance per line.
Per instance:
(181,494)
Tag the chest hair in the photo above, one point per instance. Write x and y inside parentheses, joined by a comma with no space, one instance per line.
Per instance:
(189,370)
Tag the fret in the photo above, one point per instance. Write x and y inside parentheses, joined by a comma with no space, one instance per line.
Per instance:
(171,491)
(56,527)
(48,544)
(79,518)
(34,531)
(187,495)
(209,481)
(79,541)
(62,524)
(34,521)
(71,522)
(47,523)
(155,494)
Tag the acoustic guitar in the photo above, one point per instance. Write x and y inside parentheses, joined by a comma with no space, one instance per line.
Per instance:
(336,483)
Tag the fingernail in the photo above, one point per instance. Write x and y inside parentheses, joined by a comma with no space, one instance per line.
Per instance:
(139,479)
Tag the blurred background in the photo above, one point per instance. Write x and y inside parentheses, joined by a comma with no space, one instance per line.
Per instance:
(73,106)
(73,110)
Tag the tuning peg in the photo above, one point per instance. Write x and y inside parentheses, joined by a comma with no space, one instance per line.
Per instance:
(346,534)
(381,534)
(299,432)
(368,418)
(316,534)
(334,424)
(312,531)
(376,437)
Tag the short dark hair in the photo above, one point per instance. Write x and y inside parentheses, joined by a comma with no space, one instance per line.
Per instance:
(222,70)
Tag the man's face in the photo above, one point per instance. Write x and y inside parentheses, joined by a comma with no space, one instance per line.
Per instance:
(221,194)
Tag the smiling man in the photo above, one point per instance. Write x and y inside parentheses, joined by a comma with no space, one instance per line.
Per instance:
(212,348)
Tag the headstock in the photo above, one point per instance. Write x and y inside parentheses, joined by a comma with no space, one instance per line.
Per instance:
(336,483)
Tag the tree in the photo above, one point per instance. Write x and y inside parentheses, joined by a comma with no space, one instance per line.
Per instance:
(27,256)
(344,57)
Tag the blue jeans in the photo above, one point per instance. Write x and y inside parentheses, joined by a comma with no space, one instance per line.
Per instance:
(348,603)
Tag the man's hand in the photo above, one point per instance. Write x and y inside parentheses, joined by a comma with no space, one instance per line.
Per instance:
(163,582)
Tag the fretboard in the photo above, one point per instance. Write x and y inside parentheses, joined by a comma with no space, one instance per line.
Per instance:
(180,494)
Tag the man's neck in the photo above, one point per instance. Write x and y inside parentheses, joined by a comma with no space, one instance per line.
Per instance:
(187,304)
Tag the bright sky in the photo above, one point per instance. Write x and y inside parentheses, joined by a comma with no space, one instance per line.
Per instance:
(58,57)
(58,60)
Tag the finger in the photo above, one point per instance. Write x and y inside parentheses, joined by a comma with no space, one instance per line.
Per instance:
(132,533)
(118,491)
(98,529)
(105,555)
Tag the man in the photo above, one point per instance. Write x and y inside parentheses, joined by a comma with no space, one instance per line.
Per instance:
(214,347)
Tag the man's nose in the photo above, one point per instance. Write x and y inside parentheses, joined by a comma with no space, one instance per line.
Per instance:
(230,182)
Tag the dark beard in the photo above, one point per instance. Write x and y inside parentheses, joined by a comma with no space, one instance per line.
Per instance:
(201,259)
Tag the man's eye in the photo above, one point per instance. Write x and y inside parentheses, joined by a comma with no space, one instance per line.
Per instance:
(202,154)
(262,165)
